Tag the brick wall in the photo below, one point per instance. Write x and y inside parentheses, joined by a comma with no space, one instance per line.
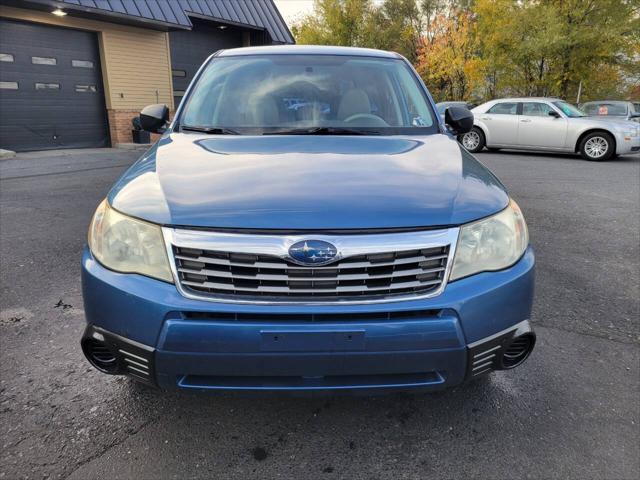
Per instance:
(120,126)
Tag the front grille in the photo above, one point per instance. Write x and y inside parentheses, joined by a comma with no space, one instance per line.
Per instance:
(380,274)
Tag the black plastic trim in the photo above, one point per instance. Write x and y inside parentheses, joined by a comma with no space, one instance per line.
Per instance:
(312,317)
(134,359)
(486,355)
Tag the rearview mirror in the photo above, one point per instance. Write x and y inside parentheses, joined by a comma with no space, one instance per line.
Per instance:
(553,113)
(459,119)
(154,118)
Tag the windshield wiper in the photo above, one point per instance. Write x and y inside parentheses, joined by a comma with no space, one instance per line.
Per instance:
(210,130)
(323,131)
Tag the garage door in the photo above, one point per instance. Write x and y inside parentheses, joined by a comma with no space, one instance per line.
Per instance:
(190,48)
(51,92)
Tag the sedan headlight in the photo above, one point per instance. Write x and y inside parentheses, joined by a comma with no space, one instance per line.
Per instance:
(128,245)
(493,243)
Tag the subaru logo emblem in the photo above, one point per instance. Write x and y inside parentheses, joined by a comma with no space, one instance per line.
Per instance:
(312,252)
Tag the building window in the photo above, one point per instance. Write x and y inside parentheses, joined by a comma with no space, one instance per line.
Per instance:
(47,86)
(43,61)
(6,57)
(9,85)
(82,63)
(86,88)
(178,73)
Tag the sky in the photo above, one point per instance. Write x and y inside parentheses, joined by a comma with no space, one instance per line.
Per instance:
(292,10)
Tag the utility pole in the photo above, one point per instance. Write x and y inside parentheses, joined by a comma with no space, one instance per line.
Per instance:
(579,92)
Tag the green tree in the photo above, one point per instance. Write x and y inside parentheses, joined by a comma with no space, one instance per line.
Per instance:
(481,49)
(335,22)
(394,25)
(548,47)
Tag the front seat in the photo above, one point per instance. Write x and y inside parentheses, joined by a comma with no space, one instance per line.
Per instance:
(353,102)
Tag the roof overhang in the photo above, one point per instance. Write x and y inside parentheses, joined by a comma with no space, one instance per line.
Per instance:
(174,16)
(80,11)
(223,21)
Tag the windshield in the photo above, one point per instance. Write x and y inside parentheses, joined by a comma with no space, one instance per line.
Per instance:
(569,110)
(614,109)
(280,93)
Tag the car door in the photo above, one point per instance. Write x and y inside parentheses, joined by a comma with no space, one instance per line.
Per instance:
(501,123)
(541,126)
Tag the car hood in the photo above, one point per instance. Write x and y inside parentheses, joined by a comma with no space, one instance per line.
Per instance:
(621,121)
(307,183)
(610,122)
(608,118)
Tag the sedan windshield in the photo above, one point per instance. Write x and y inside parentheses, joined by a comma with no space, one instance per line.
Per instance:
(604,108)
(569,110)
(308,94)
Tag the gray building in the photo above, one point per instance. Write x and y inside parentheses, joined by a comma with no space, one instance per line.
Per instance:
(73,73)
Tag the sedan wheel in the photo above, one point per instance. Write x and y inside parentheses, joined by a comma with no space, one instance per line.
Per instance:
(473,140)
(597,146)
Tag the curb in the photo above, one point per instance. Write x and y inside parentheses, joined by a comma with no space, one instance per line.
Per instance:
(133,146)
(6,153)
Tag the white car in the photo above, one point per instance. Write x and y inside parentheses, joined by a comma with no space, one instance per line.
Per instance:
(548,124)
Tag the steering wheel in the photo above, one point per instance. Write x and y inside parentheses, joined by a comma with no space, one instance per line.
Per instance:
(376,120)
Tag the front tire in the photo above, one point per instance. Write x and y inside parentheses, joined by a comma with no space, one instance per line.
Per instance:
(473,140)
(597,147)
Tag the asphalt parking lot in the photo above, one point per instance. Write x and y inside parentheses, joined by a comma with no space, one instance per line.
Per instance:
(572,411)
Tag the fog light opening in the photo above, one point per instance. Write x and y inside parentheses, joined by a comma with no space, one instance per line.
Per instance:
(518,350)
(100,356)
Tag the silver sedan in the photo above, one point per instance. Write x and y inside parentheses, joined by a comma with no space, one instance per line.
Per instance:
(548,124)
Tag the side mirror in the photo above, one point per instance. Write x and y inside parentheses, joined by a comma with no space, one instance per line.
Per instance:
(459,119)
(554,114)
(154,118)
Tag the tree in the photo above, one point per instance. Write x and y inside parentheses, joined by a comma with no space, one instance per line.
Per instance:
(548,47)
(391,25)
(482,49)
(335,22)
(449,61)
(594,35)
(396,25)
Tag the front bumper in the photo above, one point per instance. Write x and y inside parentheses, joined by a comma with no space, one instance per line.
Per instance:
(192,344)
(627,145)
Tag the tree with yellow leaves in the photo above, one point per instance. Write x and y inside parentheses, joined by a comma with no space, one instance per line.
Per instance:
(449,61)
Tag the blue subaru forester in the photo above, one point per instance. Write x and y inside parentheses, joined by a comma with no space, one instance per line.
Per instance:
(306,222)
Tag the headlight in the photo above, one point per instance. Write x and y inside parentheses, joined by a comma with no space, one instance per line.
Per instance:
(128,245)
(493,243)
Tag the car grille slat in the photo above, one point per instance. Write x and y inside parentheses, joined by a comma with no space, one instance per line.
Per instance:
(288,289)
(227,274)
(278,265)
(287,278)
